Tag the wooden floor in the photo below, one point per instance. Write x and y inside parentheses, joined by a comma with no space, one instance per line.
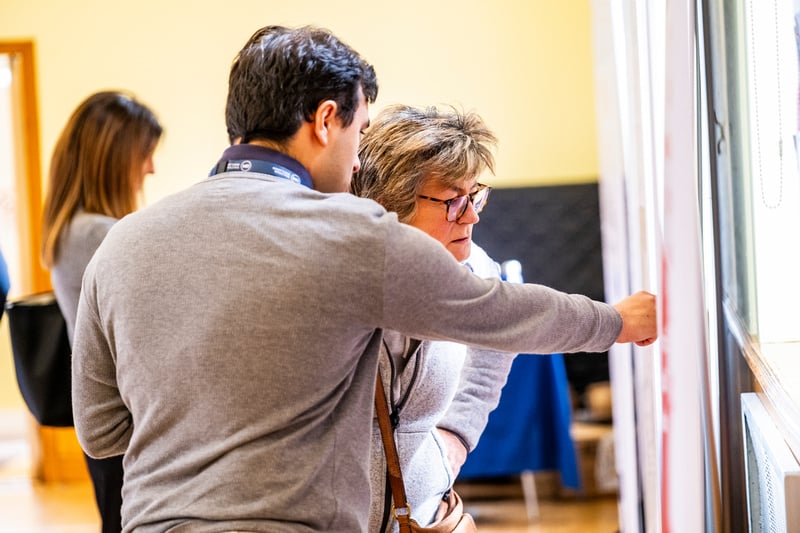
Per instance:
(500,507)
(27,506)
(590,516)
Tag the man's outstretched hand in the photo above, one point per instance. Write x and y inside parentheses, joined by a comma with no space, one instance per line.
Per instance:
(639,322)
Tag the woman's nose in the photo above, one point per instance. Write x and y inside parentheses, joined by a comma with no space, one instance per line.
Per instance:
(470,216)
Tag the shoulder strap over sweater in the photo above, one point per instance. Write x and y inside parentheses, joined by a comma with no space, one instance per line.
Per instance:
(402,511)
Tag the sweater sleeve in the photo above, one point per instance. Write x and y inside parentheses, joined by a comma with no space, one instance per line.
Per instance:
(482,377)
(429,295)
(78,242)
(102,421)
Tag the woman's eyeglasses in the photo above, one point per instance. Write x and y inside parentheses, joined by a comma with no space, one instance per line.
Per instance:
(456,207)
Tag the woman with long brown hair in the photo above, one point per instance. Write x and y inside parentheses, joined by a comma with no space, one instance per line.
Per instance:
(96,175)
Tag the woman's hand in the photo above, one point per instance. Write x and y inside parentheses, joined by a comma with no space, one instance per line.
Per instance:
(455,450)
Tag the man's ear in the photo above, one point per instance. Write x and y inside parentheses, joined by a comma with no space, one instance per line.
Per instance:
(324,119)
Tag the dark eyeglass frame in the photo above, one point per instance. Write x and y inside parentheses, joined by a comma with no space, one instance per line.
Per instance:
(455,207)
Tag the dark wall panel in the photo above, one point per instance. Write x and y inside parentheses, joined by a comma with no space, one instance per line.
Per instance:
(554,232)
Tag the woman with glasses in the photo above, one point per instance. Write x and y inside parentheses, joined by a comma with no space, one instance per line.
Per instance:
(424,165)
(96,174)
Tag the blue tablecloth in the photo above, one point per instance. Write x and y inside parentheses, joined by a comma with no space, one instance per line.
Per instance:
(530,429)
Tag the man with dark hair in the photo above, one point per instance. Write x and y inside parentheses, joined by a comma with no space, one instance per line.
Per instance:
(228,335)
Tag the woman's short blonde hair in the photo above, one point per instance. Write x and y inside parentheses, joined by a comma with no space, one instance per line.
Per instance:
(405,147)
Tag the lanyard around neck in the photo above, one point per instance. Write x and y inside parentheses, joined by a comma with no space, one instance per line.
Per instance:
(259,166)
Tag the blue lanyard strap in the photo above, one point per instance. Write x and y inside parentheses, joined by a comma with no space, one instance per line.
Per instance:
(261,167)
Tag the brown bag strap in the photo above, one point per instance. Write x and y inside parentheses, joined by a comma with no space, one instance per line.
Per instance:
(402,511)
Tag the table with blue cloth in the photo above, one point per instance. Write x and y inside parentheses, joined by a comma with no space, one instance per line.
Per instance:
(530,429)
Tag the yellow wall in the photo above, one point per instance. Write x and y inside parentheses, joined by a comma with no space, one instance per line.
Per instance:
(525,65)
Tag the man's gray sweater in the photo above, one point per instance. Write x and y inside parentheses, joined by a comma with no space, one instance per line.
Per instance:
(227,342)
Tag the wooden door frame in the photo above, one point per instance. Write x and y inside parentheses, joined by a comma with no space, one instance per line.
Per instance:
(35,278)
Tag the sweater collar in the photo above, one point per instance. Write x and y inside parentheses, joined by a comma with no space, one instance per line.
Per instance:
(262,160)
